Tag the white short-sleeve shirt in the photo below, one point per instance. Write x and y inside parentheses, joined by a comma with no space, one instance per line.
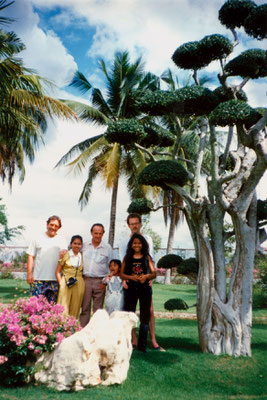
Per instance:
(96,259)
(45,250)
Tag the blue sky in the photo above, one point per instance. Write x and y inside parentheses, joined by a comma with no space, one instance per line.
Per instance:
(62,36)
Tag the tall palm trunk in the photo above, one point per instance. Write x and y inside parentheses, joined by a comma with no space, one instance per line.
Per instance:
(112,220)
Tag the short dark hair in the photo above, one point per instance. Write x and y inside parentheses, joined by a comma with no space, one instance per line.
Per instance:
(116,261)
(97,224)
(74,237)
(134,215)
(54,217)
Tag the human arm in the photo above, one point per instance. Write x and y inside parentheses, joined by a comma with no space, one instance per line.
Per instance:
(150,275)
(30,263)
(58,272)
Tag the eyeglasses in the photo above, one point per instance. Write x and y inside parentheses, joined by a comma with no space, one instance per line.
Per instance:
(135,223)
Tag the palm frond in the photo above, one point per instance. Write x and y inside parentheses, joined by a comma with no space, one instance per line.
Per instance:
(80,82)
(87,113)
(90,146)
(87,188)
(111,171)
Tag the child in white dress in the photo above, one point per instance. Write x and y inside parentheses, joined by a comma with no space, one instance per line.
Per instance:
(113,284)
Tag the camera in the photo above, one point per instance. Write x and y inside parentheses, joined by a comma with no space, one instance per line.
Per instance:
(71,282)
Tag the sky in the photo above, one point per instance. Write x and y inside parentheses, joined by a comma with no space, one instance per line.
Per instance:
(62,36)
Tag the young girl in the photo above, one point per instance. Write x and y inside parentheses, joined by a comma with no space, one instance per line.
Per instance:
(138,269)
(113,283)
(69,276)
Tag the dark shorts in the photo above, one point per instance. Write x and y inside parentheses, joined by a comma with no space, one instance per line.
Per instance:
(49,289)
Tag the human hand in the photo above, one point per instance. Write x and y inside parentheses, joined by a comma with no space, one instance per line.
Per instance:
(30,279)
(142,278)
(124,284)
(135,278)
(62,252)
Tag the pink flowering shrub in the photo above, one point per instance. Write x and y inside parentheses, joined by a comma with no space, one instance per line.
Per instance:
(28,328)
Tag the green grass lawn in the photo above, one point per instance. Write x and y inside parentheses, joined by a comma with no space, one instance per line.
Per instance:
(183,372)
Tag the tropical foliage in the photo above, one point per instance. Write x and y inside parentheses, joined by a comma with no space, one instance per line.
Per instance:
(117,113)
(24,107)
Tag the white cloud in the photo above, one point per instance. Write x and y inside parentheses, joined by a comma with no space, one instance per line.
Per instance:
(45,51)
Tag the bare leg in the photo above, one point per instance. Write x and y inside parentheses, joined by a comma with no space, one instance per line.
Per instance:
(134,338)
(152,332)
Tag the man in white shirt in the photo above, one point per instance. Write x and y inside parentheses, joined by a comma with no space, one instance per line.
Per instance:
(96,257)
(43,254)
(134,222)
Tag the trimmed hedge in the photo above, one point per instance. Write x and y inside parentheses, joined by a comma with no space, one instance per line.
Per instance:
(198,54)
(188,266)
(251,63)
(175,304)
(158,172)
(140,206)
(169,261)
(256,23)
(234,12)
(232,112)
(125,131)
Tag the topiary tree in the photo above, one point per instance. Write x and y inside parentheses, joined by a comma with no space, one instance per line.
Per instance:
(169,261)
(140,206)
(224,312)
(175,304)
(188,266)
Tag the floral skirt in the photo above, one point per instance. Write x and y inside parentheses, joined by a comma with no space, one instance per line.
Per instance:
(49,289)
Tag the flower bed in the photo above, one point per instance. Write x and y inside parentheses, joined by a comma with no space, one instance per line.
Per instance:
(28,328)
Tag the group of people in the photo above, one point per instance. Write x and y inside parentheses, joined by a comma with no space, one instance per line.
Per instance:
(86,274)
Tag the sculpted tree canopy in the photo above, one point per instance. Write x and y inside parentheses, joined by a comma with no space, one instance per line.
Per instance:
(238,160)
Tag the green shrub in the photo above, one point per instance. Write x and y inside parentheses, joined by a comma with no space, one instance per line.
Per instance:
(234,12)
(140,206)
(158,172)
(256,23)
(169,261)
(232,112)
(175,304)
(251,63)
(125,131)
(157,137)
(188,266)
(224,94)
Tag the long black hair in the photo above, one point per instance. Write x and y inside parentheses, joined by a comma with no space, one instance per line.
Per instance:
(130,250)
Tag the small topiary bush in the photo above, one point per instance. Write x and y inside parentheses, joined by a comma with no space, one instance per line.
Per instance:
(251,63)
(158,172)
(140,206)
(195,100)
(175,304)
(157,137)
(169,261)
(157,102)
(234,12)
(125,131)
(188,266)
(224,94)
(199,54)
(233,112)
(256,23)
(187,56)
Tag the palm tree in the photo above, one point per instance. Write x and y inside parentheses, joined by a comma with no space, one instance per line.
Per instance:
(110,161)
(24,108)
